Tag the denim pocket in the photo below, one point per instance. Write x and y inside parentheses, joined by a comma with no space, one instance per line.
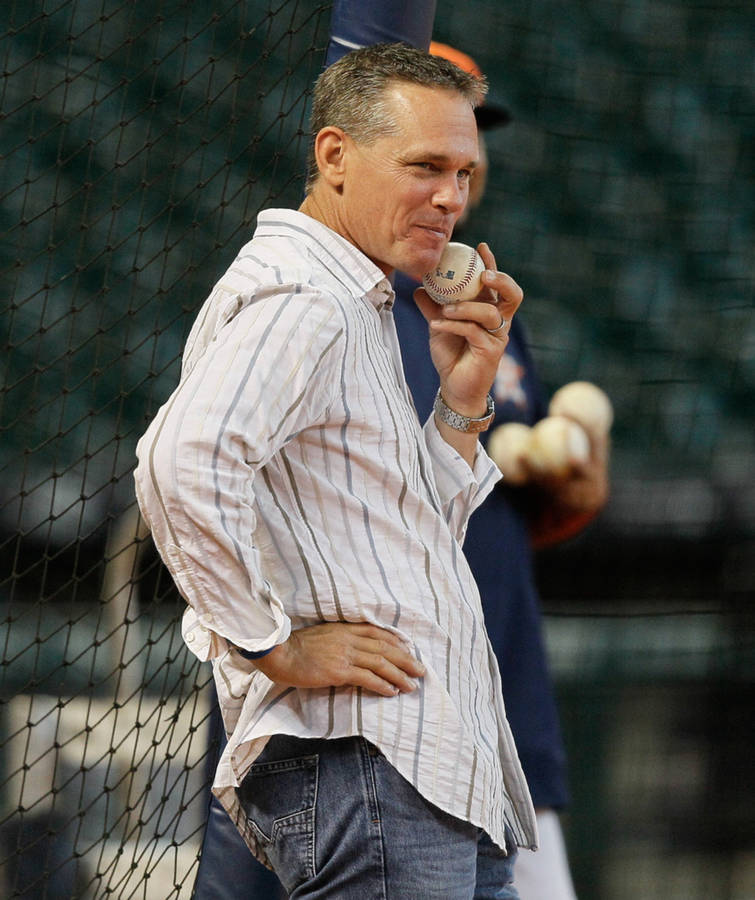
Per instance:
(278,797)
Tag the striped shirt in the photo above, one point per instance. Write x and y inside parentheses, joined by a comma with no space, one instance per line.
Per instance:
(287,482)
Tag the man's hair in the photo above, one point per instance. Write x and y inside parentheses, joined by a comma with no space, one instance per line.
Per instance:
(351,94)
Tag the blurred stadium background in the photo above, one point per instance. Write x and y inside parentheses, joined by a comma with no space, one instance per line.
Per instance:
(139,140)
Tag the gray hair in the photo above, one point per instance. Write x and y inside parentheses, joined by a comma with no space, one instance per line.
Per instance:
(351,93)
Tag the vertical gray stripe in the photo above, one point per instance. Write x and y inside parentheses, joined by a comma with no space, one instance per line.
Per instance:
(319,550)
(331,712)
(420,725)
(302,553)
(472,778)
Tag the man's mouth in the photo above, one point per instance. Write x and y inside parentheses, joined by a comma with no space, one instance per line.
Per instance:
(439,231)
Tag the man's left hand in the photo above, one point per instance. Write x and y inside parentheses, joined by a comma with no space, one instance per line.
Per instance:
(467,339)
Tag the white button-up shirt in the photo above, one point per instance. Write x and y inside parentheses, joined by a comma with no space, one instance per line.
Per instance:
(288,482)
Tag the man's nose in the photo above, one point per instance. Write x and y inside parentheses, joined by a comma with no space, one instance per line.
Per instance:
(451,195)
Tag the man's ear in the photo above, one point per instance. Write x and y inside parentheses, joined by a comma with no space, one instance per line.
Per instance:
(330,153)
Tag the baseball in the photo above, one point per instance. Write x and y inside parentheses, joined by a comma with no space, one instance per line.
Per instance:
(556,444)
(586,403)
(457,275)
(508,445)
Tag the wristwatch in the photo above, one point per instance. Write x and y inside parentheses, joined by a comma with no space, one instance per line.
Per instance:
(460,422)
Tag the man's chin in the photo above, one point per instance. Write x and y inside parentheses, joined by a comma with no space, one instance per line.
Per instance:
(422,261)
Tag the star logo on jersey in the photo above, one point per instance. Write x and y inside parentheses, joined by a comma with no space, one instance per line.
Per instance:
(508,382)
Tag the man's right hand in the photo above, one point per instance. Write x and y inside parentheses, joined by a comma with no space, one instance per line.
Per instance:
(343,654)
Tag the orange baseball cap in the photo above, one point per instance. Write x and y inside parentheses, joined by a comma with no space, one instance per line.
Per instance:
(489,115)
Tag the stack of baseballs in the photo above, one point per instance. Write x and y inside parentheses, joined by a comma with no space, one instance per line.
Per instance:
(579,413)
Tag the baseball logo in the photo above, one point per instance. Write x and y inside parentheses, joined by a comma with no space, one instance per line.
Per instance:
(457,275)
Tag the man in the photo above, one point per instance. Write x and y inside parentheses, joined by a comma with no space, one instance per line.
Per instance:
(314,527)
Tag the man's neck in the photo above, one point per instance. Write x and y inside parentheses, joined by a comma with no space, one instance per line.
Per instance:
(314,207)
(318,205)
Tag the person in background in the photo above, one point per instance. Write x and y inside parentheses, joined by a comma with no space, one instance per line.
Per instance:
(500,536)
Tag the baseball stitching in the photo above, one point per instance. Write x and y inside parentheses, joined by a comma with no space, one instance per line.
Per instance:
(460,285)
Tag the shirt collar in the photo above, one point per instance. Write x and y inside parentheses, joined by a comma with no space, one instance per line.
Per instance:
(358,274)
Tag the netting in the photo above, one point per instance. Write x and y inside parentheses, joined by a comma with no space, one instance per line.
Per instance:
(138,142)
(139,139)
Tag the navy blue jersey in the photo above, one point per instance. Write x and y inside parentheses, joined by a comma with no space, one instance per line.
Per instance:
(499,551)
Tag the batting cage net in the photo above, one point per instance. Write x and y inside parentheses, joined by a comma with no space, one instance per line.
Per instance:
(139,140)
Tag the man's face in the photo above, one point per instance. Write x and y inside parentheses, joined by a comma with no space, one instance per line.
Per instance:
(403,193)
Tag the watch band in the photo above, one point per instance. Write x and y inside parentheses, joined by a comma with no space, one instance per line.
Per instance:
(252,654)
(460,422)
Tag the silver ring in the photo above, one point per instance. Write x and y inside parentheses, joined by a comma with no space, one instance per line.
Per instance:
(504,323)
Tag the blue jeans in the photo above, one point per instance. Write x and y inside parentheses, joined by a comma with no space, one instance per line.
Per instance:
(338,821)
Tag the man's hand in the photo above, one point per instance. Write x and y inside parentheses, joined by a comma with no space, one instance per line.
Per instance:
(467,340)
(465,343)
(342,654)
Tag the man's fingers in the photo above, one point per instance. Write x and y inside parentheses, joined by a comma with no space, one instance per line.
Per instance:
(369,681)
(507,291)
(382,668)
(396,656)
(399,657)
(472,313)
(391,663)
(382,655)
(382,642)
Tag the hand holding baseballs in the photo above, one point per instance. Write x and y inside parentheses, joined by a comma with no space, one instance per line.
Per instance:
(577,427)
